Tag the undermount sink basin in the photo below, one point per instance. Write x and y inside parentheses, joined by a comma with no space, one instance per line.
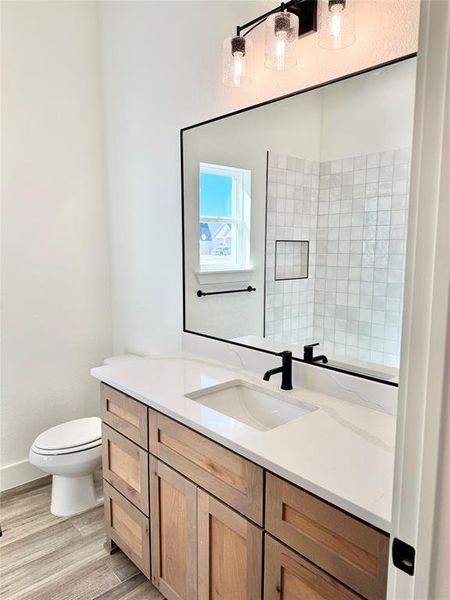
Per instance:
(250,404)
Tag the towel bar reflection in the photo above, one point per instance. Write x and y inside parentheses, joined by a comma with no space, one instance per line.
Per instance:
(247,289)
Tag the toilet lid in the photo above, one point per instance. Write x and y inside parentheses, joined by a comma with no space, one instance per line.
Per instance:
(70,435)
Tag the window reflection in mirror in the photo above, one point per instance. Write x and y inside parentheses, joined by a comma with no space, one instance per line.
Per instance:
(224,201)
(321,233)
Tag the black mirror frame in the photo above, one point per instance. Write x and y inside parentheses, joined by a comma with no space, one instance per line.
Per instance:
(236,112)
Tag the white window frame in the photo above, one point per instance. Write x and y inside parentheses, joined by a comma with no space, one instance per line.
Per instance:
(240,219)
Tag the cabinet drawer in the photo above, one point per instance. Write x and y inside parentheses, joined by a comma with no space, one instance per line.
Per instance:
(125,466)
(233,479)
(125,415)
(128,528)
(343,546)
(288,576)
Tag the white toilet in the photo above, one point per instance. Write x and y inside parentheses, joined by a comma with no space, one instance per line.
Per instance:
(71,452)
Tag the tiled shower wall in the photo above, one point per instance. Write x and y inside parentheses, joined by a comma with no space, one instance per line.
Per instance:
(357,229)
(292,204)
(361,233)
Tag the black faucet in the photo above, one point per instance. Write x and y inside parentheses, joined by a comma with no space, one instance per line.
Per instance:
(308,354)
(285,370)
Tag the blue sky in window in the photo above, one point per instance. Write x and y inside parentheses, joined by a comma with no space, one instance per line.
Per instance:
(215,195)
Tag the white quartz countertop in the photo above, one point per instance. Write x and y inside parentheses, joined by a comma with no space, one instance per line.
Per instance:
(343,452)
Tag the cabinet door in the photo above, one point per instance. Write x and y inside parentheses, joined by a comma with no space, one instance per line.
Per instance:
(125,466)
(229,553)
(350,550)
(288,576)
(173,518)
(128,528)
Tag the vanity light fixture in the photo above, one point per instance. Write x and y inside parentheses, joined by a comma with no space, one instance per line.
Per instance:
(284,25)
(336,24)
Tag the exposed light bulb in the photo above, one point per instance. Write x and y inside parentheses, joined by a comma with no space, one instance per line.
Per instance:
(281,49)
(336,23)
(237,68)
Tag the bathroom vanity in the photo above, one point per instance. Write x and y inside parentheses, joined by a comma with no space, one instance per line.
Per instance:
(208,506)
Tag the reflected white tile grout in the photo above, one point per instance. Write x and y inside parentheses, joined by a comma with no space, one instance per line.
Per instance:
(360,232)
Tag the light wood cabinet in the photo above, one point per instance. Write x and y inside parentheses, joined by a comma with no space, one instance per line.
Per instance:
(288,576)
(127,527)
(173,519)
(223,473)
(229,553)
(125,466)
(125,415)
(191,513)
(340,544)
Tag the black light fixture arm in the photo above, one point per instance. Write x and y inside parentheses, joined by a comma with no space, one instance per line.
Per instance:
(255,22)
(305,10)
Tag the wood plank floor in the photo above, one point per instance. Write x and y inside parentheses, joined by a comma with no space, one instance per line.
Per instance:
(43,557)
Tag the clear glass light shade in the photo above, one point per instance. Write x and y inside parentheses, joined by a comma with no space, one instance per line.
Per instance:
(237,61)
(336,23)
(281,41)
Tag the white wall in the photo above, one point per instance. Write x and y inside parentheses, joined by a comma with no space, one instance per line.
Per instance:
(160,62)
(371,113)
(56,321)
(162,71)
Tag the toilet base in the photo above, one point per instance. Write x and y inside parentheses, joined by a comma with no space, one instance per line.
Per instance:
(73,495)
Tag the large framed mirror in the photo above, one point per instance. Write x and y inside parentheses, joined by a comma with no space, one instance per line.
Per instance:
(295,222)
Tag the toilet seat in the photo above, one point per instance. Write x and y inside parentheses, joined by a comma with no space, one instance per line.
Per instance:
(74,436)
(61,451)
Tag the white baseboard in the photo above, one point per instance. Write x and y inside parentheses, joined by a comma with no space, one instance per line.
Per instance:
(17,474)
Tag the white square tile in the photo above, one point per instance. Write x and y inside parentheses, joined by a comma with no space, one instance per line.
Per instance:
(359,177)
(373,175)
(371,190)
(378,317)
(384,203)
(366,274)
(398,217)
(370,218)
(355,260)
(385,188)
(400,187)
(365,315)
(360,162)
(387,158)
(342,286)
(386,174)
(377,331)
(373,160)
(401,156)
